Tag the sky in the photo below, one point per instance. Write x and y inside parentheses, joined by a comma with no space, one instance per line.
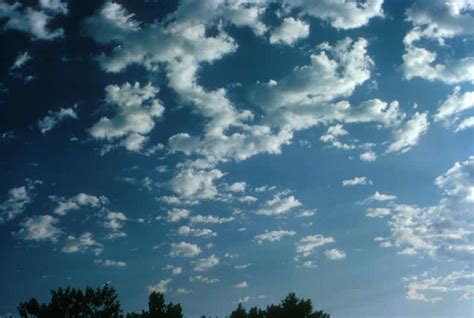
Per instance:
(233,151)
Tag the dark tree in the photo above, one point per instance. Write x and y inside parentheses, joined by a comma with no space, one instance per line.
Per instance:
(71,302)
(239,312)
(157,308)
(254,312)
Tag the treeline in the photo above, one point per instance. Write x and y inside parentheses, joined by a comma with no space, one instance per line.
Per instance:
(103,303)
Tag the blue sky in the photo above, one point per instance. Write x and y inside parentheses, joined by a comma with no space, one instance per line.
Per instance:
(224,152)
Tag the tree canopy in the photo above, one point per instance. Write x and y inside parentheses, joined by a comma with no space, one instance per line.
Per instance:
(103,303)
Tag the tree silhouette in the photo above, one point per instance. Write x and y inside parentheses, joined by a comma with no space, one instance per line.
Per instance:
(157,308)
(70,302)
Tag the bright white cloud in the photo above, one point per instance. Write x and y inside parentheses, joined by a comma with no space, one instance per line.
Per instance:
(409,134)
(334,254)
(272,236)
(114,220)
(39,228)
(203,279)
(341,14)
(306,246)
(189,231)
(184,249)
(82,243)
(210,219)
(290,31)
(32,21)
(356,181)
(21,59)
(76,202)
(377,212)
(203,264)
(433,289)
(17,200)
(450,110)
(111,263)
(381,197)
(53,118)
(176,214)
(279,205)
(136,108)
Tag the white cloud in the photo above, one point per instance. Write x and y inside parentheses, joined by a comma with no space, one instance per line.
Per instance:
(111,263)
(272,236)
(211,219)
(81,244)
(114,220)
(160,287)
(184,249)
(441,230)
(289,32)
(408,135)
(243,284)
(17,200)
(176,214)
(21,59)
(356,181)
(76,202)
(182,291)
(449,112)
(279,205)
(53,118)
(306,246)
(377,212)
(237,187)
(189,231)
(335,254)
(368,156)
(175,270)
(191,184)
(29,20)
(433,289)
(39,228)
(341,14)
(204,264)
(438,20)
(381,197)
(136,108)
(202,279)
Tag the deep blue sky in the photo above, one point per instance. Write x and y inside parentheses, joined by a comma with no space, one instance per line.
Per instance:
(235,151)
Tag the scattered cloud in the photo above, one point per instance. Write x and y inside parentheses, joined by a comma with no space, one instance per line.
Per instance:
(39,228)
(289,32)
(53,118)
(306,246)
(334,254)
(204,264)
(272,236)
(184,249)
(356,181)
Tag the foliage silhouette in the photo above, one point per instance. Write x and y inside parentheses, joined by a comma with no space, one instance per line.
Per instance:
(103,303)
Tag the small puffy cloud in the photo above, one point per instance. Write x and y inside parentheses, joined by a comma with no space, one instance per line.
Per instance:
(237,187)
(136,108)
(368,156)
(457,183)
(279,205)
(356,181)
(243,284)
(189,231)
(184,249)
(17,200)
(377,212)
(111,263)
(176,214)
(433,289)
(381,197)
(30,20)
(306,246)
(182,291)
(81,244)
(272,236)
(175,270)
(191,184)
(408,135)
(53,118)
(290,31)
(203,279)
(204,264)
(334,254)
(343,14)
(160,287)
(39,228)
(450,110)
(114,220)
(210,219)
(21,59)
(76,202)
